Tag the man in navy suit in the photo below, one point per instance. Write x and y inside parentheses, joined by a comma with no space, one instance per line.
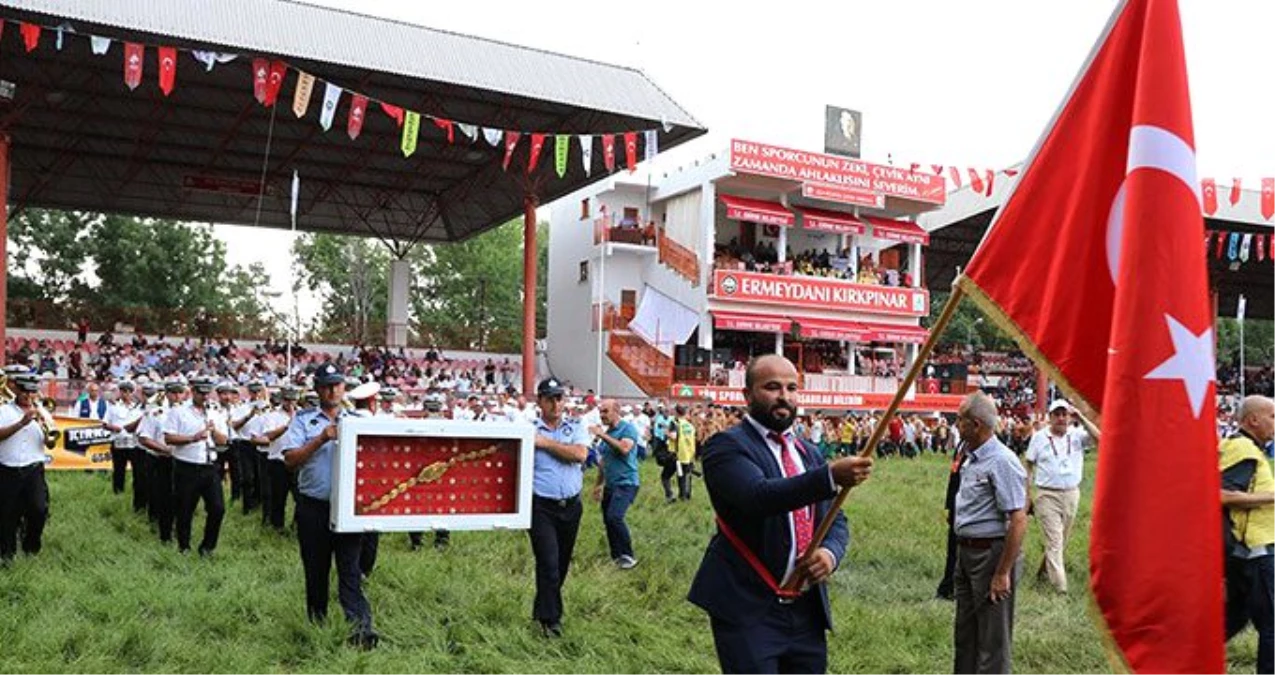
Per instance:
(770,490)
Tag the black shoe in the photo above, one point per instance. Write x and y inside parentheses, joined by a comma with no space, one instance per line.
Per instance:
(441,544)
(205,552)
(551,629)
(365,638)
(945,594)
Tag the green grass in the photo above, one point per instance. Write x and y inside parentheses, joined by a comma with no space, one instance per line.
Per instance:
(103,596)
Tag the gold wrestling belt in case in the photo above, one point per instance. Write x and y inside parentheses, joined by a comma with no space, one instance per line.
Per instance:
(431,473)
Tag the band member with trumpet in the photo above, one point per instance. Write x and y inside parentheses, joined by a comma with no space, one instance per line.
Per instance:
(267,434)
(122,417)
(194,433)
(227,461)
(249,476)
(150,434)
(24,494)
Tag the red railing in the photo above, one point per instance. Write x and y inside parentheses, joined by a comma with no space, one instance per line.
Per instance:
(680,259)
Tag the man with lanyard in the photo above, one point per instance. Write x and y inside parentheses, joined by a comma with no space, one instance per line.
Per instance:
(241,446)
(122,418)
(990,520)
(24,494)
(267,432)
(92,406)
(769,489)
(1055,464)
(193,434)
(558,477)
(308,449)
(150,434)
(618,469)
(1248,495)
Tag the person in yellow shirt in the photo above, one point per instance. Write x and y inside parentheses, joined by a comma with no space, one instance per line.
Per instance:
(1248,495)
(847,434)
(682,440)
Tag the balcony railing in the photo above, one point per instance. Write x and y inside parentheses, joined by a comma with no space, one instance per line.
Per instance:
(680,259)
(606,230)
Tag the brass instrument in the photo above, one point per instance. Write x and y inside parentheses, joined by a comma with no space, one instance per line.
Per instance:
(44,416)
(6,396)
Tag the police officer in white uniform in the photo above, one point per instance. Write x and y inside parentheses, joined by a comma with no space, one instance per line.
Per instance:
(122,417)
(194,435)
(250,468)
(267,432)
(150,434)
(24,494)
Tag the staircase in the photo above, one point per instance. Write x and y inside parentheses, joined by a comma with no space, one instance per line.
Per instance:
(649,368)
(680,259)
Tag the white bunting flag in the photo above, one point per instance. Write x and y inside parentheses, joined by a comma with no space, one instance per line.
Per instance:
(210,59)
(100,45)
(331,97)
(63,28)
(586,153)
(470,131)
(1245,244)
(1239,308)
(652,144)
(493,136)
(296,194)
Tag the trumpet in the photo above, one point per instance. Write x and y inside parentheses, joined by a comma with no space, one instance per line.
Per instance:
(44,417)
(6,396)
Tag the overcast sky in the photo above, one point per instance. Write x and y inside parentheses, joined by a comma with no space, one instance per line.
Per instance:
(969,84)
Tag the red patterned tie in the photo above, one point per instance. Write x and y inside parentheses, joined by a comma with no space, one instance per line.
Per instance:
(802,524)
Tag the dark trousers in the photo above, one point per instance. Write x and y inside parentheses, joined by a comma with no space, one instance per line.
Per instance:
(319,546)
(666,477)
(228,465)
(141,480)
(947,584)
(1249,597)
(265,488)
(191,483)
(162,500)
(984,632)
(554,526)
(276,503)
(789,638)
(615,504)
(684,481)
(24,496)
(249,483)
(368,549)
(120,457)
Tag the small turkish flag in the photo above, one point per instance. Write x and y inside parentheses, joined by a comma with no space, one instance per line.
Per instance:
(358,109)
(1260,244)
(938,169)
(976,181)
(447,126)
(134,53)
(167,68)
(537,143)
(1209,186)
(630,150)
(1235,192)
(913,167)
(274,81)
(511,142)
(1268,198)
(30,35)
(393,111)
(608,151)
(1221,243)
(260,76)
(955,173)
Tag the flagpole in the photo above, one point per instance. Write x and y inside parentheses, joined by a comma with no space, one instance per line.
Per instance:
(1240,315)
(936,331)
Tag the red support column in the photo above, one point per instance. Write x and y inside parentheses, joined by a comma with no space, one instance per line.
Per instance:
(4,239)
(529,297)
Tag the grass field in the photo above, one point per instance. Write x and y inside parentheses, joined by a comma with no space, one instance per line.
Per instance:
(103,596)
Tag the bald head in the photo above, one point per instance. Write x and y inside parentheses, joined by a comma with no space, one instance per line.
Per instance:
(770,388)
(767,365)
(1257,416)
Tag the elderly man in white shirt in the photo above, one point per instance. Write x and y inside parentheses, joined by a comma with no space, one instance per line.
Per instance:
(1055,465)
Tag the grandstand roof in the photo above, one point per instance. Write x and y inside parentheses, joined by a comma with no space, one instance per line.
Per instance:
(957,228)
(81,139)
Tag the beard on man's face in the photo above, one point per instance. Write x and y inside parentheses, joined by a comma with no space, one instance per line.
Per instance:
(765,414)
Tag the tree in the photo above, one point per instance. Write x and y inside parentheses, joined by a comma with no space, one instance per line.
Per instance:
(351,277)
(1259,335)
(157,275)
(469,295)
(968,326)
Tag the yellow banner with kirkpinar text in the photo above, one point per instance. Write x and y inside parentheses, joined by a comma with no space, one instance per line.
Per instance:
(81,444)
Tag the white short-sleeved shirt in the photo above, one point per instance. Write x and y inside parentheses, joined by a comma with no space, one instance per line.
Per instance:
(152,427)
(26,445)
(220,418)
(1059,461)
(262,424)
(237,412)
(187,421)
(122,415)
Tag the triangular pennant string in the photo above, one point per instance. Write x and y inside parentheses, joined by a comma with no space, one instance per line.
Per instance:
(561,151)
(586,153)
(301,97)
(331,97)
(511,142)
(411,127)
(358,110)
(167,57)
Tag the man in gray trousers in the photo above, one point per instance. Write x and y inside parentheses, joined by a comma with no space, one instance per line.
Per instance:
(990,522)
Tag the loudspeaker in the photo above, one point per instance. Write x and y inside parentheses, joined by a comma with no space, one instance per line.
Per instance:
(700,358)
(682,355)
